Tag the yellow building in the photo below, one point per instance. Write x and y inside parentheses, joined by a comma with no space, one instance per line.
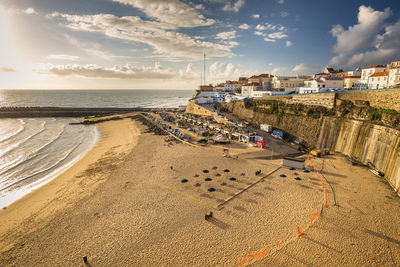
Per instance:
(349,81)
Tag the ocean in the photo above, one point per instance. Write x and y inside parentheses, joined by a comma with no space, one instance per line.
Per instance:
(35,150)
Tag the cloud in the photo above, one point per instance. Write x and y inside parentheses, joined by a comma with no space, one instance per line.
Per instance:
(361,35)
(90,48)
(63,57)
(220,71)
(277,71)
(234,7)
(4,69)
(117,72)
(155,34)
(244,26)
(260,27)
(277,35)
(281,1)
(259,33)
(289,43)
(305,69)
(226,35)
(269,40)
(173,12)
(30,11)
(284,14)
(255,16)
(362,45)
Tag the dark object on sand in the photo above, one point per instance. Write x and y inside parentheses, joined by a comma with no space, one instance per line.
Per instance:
(172,167)
(295,173)
(292,169)
(208,179)
(211,189)
(215,167)
(197,185)
(298,178)
(85,260)
(226,170)
(232,179)
(196,175)
(184,181)
(208,215)
(282,175)
(217,174)
(258,172)
(223,183)
(205,171)
(242,174)
(306,171)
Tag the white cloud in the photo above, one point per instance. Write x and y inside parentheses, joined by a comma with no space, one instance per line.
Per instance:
(172,12)
(278,71)
(305,69)
(116,72)
(361,35)
(62,57)
(234,7)
(289,43)
(220,71)
(260,27)
(255,16)
(30,11)
(152,33)
(270,27)
(90,48)
(277,35)
(5,69)
(226,35)
(281,1)
(259,33)
(269,40)
(284,14)
(352,43)
(244,26)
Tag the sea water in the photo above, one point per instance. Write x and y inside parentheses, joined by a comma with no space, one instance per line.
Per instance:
(35,150)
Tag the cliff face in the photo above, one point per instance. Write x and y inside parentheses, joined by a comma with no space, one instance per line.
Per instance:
(352,127)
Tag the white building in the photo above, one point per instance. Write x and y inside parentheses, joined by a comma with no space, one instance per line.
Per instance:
(394,73)
(378,80)
(368,71)
(249,89)
(333,83)
(231,86)
(283,82)
(313,86)
(263,79)
(230,97)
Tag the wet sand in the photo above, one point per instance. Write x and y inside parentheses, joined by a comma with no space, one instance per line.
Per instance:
(142,214)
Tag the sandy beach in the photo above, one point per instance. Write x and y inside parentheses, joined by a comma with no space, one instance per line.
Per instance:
(138,200)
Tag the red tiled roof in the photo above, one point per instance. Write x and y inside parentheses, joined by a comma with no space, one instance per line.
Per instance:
(264,75)
(322,73)
(375,66)
(355,77)
(379,74)
(252,84)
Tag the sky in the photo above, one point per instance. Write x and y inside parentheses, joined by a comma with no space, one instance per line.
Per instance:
(159,44)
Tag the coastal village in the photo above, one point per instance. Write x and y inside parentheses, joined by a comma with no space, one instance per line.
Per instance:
(330,80)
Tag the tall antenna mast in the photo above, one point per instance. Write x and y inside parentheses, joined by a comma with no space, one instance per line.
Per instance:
(204,66)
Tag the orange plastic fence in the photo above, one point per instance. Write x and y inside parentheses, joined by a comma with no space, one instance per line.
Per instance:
(300,233)
(257,256)
(265,252)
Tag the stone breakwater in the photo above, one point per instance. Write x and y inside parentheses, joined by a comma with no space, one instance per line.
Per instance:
(29,112)
(363,125)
